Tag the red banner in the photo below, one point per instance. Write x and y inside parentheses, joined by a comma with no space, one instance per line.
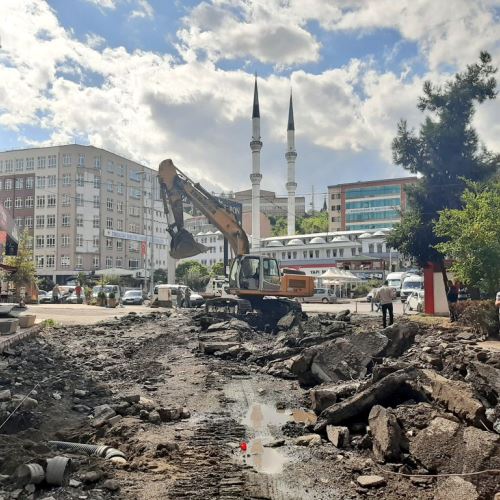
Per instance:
(143,248)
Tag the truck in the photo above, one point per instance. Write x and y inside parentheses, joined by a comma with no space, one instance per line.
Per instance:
(255,281)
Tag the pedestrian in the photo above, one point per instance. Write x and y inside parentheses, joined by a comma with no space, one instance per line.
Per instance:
(55,294)
(187,298)
(452,296)
(179,297)
(384,296)
(78,293)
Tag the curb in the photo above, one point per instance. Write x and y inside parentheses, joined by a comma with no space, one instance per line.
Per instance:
(13,339)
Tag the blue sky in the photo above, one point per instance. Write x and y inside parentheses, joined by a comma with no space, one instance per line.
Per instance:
(151,79)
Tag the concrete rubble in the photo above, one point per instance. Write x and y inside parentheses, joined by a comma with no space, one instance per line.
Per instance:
(380,412)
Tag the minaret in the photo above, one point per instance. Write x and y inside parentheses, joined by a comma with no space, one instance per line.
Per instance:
(255,176)
(290,156)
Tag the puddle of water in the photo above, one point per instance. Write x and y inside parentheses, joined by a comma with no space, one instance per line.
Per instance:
(264,460)
(261,415)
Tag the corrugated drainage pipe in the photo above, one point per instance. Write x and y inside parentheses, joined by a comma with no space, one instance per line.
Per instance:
(106,452)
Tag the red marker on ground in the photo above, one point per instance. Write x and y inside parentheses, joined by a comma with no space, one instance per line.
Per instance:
(243,446)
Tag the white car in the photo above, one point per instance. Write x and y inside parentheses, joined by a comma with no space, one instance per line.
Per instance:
(324,295)
(415,301)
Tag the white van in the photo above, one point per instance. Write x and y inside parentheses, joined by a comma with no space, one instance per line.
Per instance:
(395,280)
(411,283)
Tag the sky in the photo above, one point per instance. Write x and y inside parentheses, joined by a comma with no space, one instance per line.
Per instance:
(156,79)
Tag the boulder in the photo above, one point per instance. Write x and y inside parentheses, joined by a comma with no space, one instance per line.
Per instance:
(371,481)
(5,395)
(387,436)
(436,446)
(338,436)
(308,440)
(456,488)
(455,395)
(481,450)
(324,396)
(401,337)
(211,342)
(288,321)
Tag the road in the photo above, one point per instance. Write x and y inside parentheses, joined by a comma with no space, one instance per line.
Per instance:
(81,314)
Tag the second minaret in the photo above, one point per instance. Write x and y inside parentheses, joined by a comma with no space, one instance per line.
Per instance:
(291,155)
(255,176)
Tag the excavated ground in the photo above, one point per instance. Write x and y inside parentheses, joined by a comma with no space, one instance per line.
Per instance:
(181,417)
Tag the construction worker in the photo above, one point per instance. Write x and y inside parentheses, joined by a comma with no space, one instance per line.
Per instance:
(385,295)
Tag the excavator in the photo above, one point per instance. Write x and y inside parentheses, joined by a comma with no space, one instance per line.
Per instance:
(255,280)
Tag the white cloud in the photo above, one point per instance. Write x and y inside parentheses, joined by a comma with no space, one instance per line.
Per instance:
(144,10)
(104,4)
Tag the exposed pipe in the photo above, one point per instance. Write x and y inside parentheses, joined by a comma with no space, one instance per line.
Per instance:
(106,452)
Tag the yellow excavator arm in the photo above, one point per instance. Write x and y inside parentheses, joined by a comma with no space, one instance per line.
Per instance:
(174,187)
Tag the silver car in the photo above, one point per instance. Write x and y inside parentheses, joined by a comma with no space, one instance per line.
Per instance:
(324,295)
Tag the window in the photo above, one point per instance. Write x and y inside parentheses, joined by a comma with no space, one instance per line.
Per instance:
(96,241)
(79,200)
(95,262)
(39,260)
(96,222)
(109,204)
(51,221)
(109,262)
(110,186)
(120,170)
(30,182)
(79,240)
(28,222)
(19,203)
(51,201)
(19,183)
(40,221)
(135,193)
(109,223)
(40,202)
(30,164)
(65,240)
(119,244)
(97,162)
(371,248)
(51,181)
(119,262)
(65,261)
(134,211)
(40,182)
(51,261)
(66,200)
(9,166)
(133,228)
(379,247)
(40,162)
(111,166)
(97,182)
(80,180)
(40,241)
(79,220)
(133,246)
(51,240)
(341,252)
(133,263)
(119,225)
(79,261)
(81,160)
(19,165)
(119,207)
(19,221)
(8,184)
(119,188)
(52,161)
(66,160)
(65,220)
(66,179)
(109,243)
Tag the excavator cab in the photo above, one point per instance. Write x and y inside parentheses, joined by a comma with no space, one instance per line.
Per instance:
(254,272)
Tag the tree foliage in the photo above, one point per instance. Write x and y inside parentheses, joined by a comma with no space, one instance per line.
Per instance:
(217,269)
(279,225)
(192,274)
(446,152)
(472,237)
(25,273)
(310,223)
(160,276)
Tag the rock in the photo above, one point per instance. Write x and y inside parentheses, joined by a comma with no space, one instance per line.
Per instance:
(132,398)
(146,403)
(102,414)
(480,447)
(324,396)
(435,446)
(387,436)
(381,392)
(5,395)
(168,446)
(275,444)
(115,419)
(80,393)
(154,417)
(401,337)
(466,336)
(74,483)
(169,414)
(111,485)
(343,315)
(457,396)
(26,403)
(380,371)
(287,321)
(338,436)
(185,413)
(456,488)
(91,477)
(308,440)
(371,481)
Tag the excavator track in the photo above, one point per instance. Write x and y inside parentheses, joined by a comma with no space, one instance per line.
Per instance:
(230,305)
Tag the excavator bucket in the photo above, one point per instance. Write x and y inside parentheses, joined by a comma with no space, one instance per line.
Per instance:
(183,245)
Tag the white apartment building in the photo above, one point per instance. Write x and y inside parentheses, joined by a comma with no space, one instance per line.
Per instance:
(86,208)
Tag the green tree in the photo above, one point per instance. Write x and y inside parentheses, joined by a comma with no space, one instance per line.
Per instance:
(190,266)
(472,237)
(160,276)
(25,273)
(446,153)
(217,269)
(279,225)
(314,223)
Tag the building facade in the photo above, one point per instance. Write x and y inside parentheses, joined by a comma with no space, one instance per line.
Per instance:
(367,205)
(86,209)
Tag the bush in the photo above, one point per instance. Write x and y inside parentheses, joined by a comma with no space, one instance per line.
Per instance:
(111,295)
(363,289)
(480,315)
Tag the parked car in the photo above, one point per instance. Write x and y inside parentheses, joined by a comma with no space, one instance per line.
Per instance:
(45,299)
(410,284)
(72,299)
(415,301)
(133,297)
(324,295)
(196,299)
